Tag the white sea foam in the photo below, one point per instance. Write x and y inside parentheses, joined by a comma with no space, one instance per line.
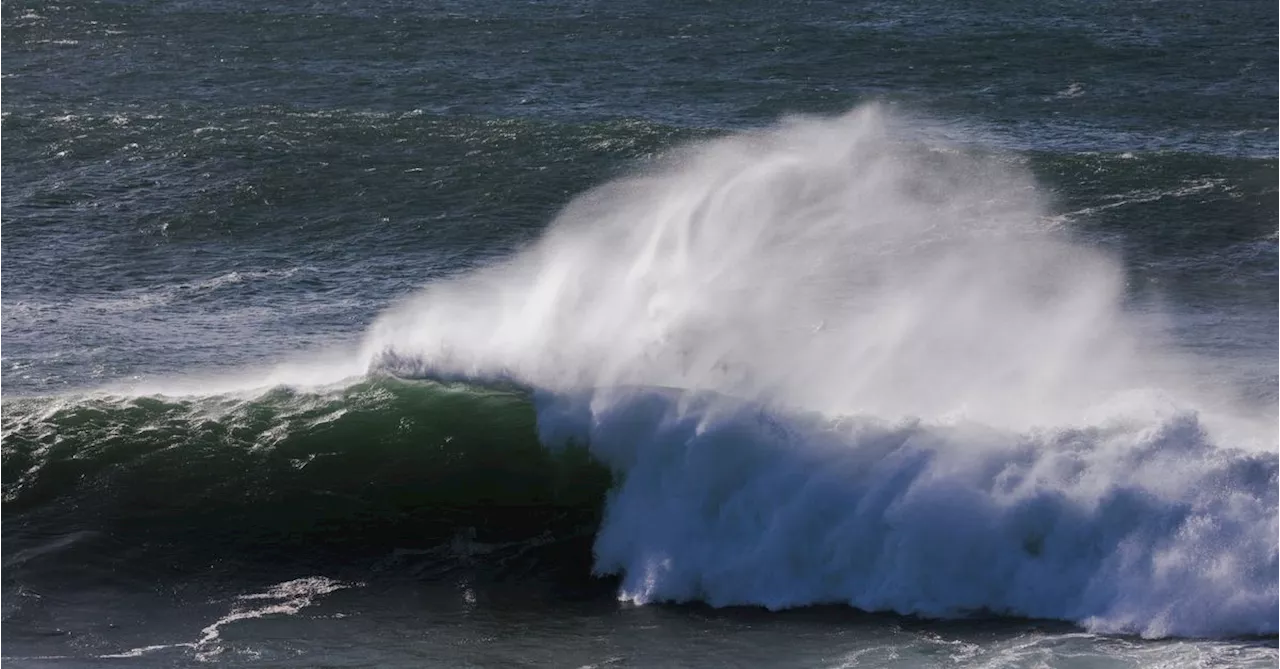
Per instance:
(832,363)
(282,599)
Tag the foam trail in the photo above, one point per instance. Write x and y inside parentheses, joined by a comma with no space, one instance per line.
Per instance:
(831,363)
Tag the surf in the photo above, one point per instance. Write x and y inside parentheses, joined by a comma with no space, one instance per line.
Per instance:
(838,360)
(901,387)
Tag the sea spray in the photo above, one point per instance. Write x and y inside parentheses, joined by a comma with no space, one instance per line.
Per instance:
(832,362)
(828,264)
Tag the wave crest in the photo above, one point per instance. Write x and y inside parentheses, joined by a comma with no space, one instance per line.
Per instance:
(891,381)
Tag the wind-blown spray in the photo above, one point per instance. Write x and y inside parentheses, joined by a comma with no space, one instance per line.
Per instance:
(832,363)
(820,264)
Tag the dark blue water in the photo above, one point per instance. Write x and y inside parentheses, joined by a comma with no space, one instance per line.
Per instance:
(198,190)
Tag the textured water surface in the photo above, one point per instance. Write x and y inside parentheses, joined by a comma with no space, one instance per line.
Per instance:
(890,334)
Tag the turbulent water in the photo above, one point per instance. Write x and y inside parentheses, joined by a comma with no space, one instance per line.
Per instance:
(581,335)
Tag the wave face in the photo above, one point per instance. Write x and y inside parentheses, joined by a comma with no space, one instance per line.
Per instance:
(361,470)
(829,362)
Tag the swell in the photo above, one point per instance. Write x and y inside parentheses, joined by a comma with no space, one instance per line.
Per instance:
(380,465)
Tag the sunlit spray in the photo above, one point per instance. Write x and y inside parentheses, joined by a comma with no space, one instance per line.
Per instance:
(833,361)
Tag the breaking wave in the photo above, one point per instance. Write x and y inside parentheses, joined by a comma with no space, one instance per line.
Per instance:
(892,385)
(825,362)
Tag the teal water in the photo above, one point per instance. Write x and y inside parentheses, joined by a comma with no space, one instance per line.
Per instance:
(196,192)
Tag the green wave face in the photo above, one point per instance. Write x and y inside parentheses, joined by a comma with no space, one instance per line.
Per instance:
(382,464)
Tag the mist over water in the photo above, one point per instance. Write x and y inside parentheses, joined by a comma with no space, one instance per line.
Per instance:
(840,265)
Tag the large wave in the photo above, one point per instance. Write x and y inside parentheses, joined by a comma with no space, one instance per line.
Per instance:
(888,379)
(832,361)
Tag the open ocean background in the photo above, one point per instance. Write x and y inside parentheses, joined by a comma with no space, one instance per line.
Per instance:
(295,375)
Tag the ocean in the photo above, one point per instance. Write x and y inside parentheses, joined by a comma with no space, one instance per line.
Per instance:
(638,334)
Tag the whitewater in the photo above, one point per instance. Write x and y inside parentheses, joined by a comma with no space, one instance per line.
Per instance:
(840,360)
